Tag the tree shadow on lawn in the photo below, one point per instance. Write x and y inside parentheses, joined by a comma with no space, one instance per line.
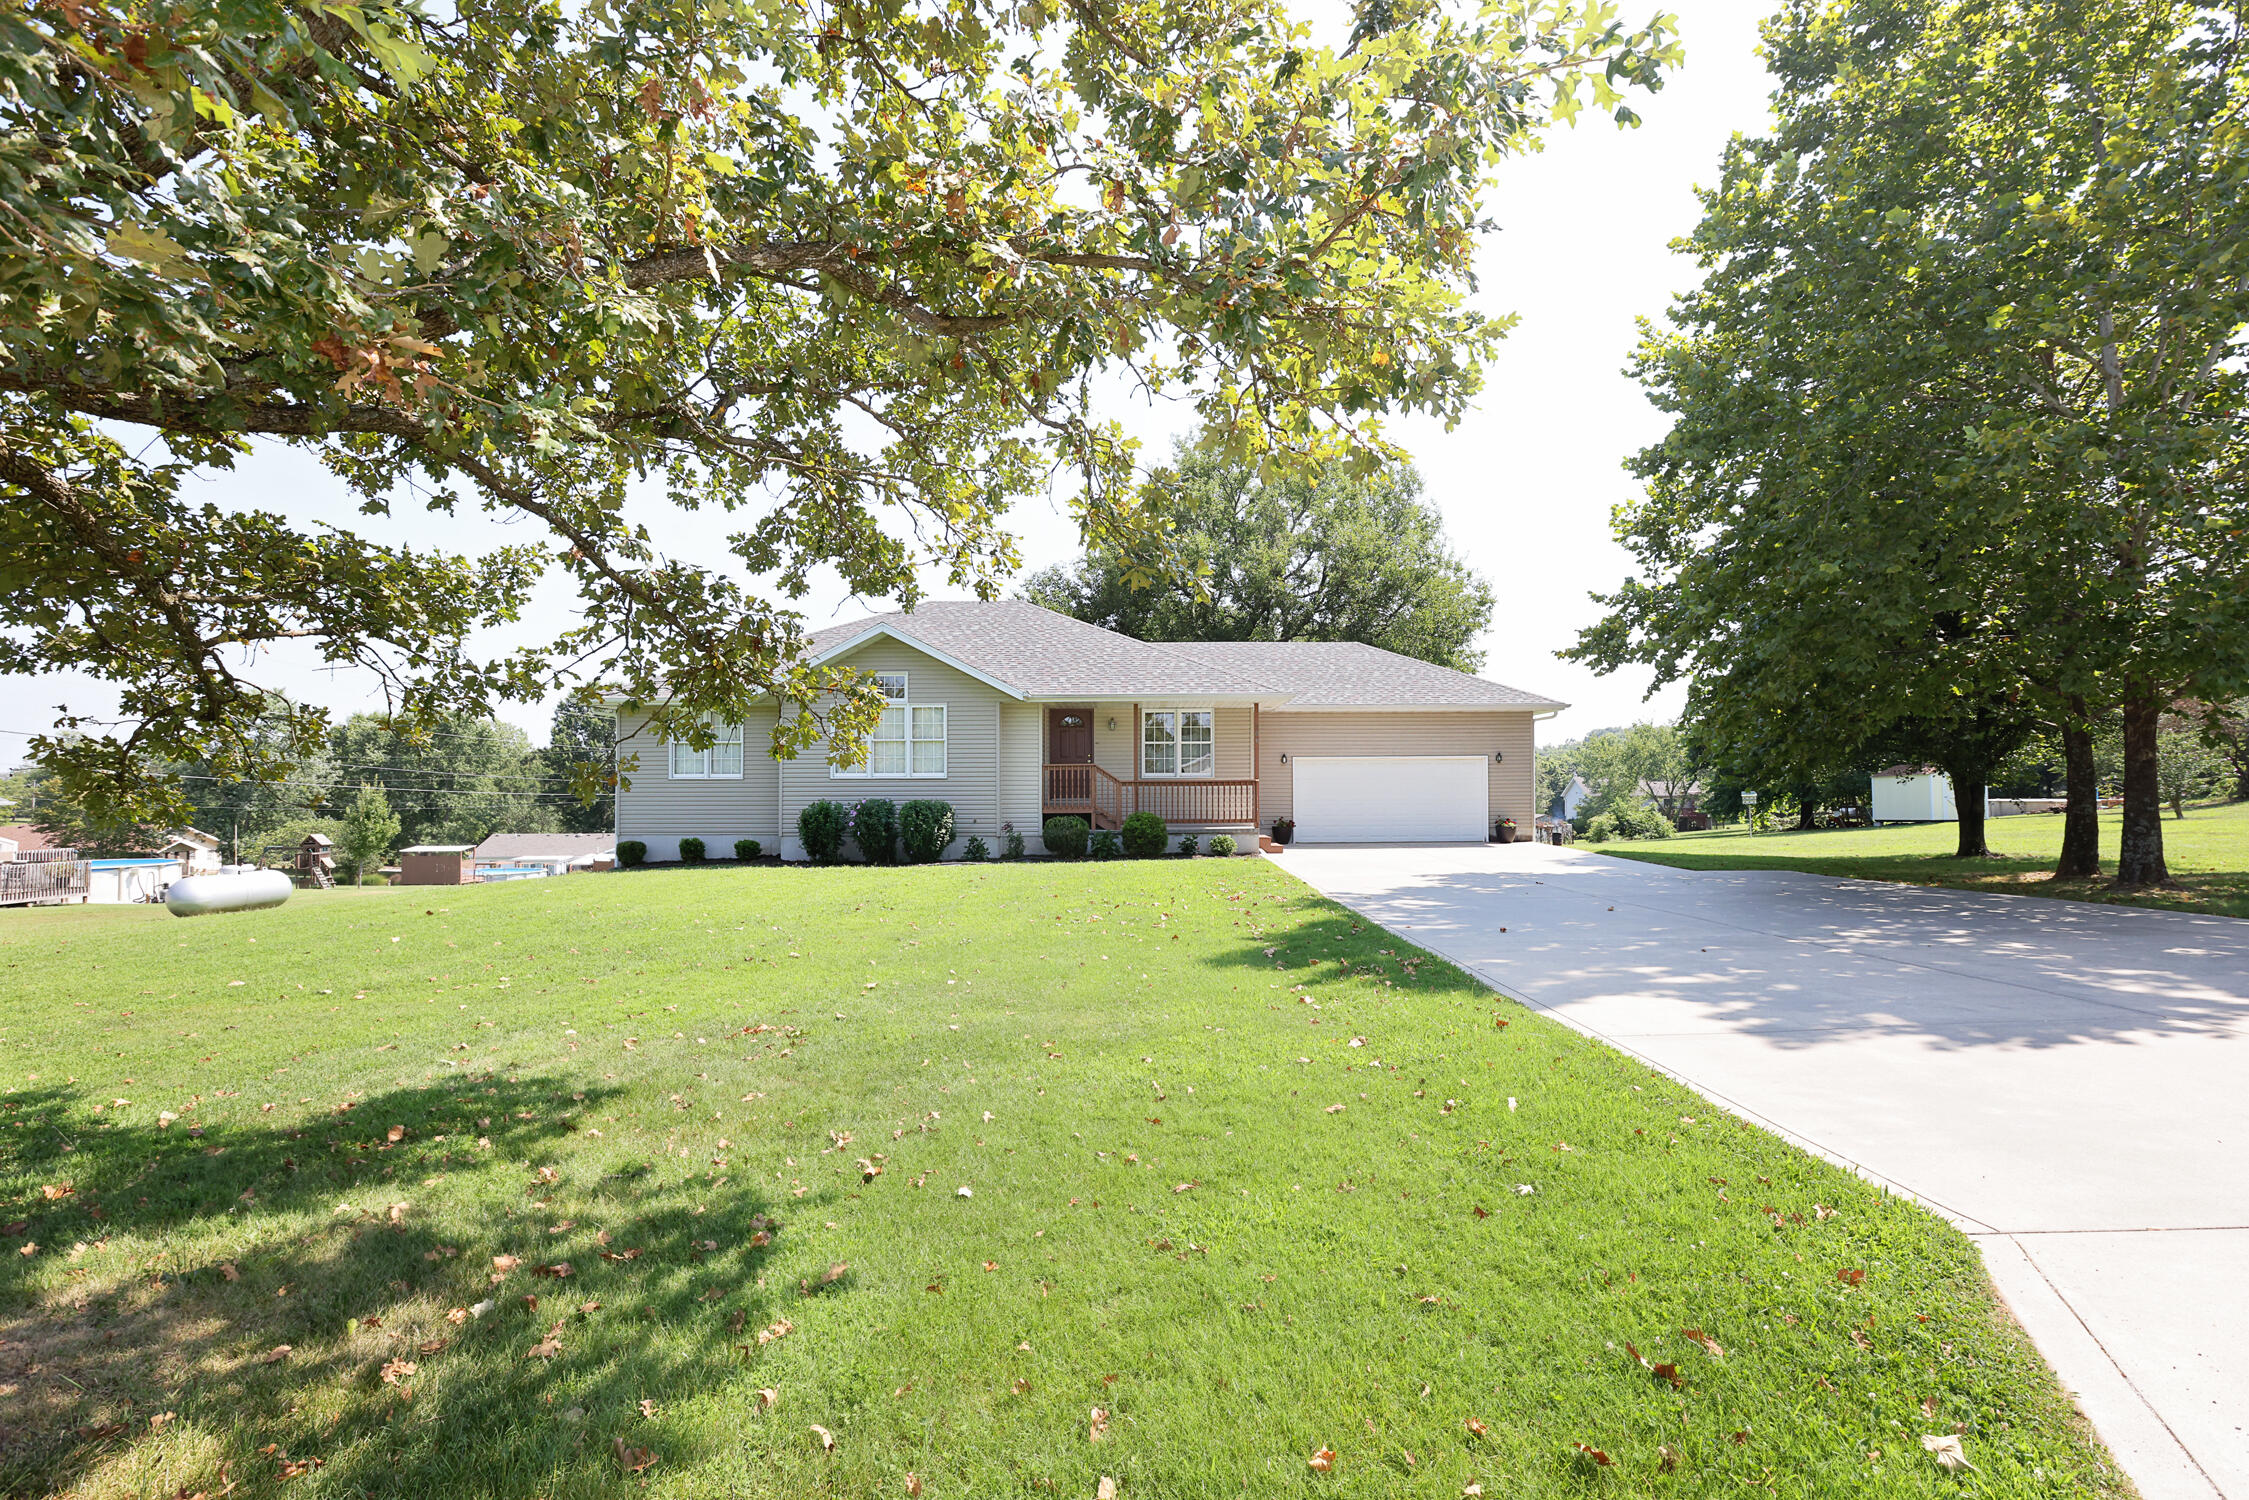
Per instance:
(152,1371)
(1803,959)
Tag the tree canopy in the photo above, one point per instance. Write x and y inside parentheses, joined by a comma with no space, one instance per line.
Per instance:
(1334,556)
(857,274)
(1956,439)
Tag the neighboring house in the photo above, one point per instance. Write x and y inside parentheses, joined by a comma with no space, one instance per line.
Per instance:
(196,851)
(1014,713)
(1571,802)
(558,853)
(15,837)
(1674,797)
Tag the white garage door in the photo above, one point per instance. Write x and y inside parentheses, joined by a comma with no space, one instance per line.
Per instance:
(1392,799)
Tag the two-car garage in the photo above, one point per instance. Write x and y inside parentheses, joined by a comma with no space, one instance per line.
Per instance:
(1392,799)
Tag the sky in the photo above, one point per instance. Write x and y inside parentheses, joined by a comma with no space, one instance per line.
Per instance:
(1526,481)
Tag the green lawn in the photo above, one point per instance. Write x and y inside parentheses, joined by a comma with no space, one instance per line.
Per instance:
(2208,852)
(1180,1142)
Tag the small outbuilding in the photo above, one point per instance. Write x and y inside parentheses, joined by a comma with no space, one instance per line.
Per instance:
(1913,794)
(196,851)
(437,864)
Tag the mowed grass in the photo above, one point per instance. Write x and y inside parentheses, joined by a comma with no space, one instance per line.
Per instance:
(1179,1142)
(2208,852)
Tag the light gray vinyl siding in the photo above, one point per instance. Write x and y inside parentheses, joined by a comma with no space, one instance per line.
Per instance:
(972,748)
(660,811)
(1022,774)
(1398,732)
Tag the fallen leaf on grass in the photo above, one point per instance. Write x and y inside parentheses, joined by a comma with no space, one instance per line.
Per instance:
(55,1191)
(779,1328)
(1106,1489)
(432,1346)
(277,1354)
(1322,1461)
(397,1370)
(1850,1278)
(913,1481)
(1097,1426)
(1021,1387)
(1946,1450)
(824,1438)
(1667,1459)
(1709,1344)
(766,1396)
(1660,1372)
(229,1270)
(632,1460)
(558,1270)
(504,1263)
(1476,1427)
(1335,1109)
(1596,1455)
(548,1347)
(395,1134)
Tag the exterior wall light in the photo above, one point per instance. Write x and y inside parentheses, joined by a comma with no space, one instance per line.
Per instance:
(1498,756)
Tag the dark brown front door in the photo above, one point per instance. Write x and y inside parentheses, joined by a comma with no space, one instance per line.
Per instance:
(1069,737)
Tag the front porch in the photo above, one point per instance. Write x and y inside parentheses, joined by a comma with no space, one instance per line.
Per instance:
(1191,765)
(1191,802)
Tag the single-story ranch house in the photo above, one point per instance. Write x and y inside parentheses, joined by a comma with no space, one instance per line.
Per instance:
(1014,714)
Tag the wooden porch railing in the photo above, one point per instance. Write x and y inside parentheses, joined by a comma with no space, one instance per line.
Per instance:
(42,875)
(1105,801)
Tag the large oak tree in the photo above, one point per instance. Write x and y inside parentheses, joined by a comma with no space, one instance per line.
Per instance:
(1959,398)
(854,271)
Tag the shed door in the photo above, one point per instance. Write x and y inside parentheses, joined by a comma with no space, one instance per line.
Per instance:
(1392,799)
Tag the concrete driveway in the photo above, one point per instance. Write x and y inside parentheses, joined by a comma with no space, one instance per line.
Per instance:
(2067,1083)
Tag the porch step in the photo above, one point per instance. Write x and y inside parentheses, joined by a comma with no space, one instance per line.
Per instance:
(1265,845)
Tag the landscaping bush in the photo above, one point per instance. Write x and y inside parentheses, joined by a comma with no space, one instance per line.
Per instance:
(822,826)
(631,852)
(691,851)
(1627,821)
(1145,836)
(925,827)
(1065,838)
(1104,844)
(1187,846)
(747,849)
(1014,841)
(976,851)
(874,823)
(1222,845)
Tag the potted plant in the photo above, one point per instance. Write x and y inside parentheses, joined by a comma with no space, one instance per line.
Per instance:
(1284,829)
(1503,832)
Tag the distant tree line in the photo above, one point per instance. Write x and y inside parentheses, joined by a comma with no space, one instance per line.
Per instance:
(457,780)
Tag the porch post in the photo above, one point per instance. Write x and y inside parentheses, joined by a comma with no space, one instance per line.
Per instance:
(1132,745)
(1256,769)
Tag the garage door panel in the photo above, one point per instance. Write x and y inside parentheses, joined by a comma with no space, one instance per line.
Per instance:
(1384,799)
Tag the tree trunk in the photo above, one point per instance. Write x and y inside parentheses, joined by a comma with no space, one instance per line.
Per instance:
(1807,810)
(2081,812)
(1968,800)
(2139,850)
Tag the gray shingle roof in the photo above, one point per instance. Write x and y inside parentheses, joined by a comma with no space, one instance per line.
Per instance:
(1047,655)
(1347,674)
(1043,654)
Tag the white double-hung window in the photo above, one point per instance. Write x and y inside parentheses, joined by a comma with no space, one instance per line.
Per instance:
(1176,742)
(721,762)
(909,739)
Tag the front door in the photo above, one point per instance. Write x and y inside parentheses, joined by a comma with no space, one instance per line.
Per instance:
(1069,737)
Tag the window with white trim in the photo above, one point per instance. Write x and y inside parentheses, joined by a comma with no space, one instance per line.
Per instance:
(1177,742)
(909,738)
(721,762)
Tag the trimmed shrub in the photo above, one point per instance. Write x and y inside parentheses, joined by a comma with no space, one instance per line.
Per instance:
(1104,844)
(1187,846)
(690,851)
(822,826)
(1014,841)
(1065,838)
(925,827)
(747,849)
(1145,836)
(874,823)
(976,851)
(631,852)
(1222,845)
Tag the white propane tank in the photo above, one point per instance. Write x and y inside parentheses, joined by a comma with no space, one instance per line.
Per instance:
(235,888)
